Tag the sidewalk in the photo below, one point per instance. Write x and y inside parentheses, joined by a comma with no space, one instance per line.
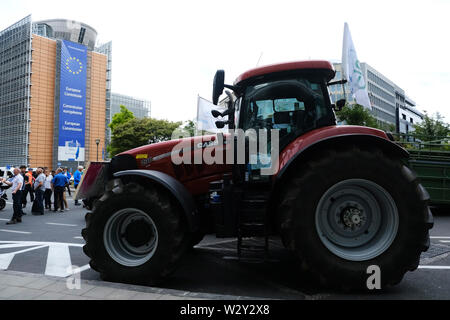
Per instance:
(27,286)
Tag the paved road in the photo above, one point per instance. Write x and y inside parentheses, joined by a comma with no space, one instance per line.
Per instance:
(51,244)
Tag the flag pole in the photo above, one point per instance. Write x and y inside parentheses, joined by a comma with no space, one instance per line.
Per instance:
(343,84)
(196,119)
(342,64)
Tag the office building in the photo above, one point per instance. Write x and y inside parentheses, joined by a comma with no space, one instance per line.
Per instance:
(140,108)
(388,100)
(54,94)
(408,116)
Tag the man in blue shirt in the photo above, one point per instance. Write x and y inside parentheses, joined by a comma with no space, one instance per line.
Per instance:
(59,183)
(76,180)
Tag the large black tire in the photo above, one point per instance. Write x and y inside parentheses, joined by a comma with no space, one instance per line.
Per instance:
(166,216)
(309,183)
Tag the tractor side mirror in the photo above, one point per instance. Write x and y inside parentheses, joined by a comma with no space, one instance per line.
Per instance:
(216,113)
(221,124)
(218,85)
(339,104)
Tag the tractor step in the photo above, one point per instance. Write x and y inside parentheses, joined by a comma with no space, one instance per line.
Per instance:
(247,248)
(253,229)
(241,210)
(252,222)
(253,248)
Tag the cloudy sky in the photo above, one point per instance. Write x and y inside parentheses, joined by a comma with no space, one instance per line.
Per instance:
(168,51)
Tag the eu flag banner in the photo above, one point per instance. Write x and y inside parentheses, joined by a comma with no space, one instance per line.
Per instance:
(351,70)
(72,105)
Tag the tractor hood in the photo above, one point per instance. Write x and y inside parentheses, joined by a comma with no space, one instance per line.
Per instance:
(153,153)
(195,176)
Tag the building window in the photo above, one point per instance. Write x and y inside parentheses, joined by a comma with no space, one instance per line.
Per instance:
(404,116)
(411,120)
(81,35)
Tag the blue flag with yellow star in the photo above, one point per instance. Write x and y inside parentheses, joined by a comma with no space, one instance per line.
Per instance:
(72,102)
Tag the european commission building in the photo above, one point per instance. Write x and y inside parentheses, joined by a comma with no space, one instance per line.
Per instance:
(54,94)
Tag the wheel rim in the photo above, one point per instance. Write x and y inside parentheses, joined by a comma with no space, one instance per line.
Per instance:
(130,237)
(357,219)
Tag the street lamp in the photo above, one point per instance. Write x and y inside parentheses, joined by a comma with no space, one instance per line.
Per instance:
(97,141)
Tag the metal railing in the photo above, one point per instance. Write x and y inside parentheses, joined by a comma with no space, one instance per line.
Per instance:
(422,146)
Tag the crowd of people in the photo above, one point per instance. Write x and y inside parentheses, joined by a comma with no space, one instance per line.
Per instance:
(40,185)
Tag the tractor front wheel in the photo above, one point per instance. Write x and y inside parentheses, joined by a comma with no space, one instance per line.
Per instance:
(135,235)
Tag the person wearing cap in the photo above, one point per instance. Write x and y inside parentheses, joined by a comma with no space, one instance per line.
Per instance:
(76,180)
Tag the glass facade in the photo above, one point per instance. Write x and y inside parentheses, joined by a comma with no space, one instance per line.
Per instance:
(43,30)
(15,71)
(69,30)
(140,108)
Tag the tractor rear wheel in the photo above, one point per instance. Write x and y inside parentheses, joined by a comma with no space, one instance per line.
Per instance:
(345,211)
(135,235)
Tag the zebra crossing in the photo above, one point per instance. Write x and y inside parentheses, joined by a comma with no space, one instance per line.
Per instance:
(58,260)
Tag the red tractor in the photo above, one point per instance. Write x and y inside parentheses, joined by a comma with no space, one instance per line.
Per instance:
(341,197)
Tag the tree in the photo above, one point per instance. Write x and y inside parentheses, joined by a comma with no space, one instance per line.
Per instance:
(432,128)
(357,114)
(188,128)
(122,117)
(138,132)
(390,127)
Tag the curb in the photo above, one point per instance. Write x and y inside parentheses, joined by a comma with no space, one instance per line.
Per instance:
(140,289)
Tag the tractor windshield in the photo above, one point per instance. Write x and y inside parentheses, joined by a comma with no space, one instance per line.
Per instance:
(293,106)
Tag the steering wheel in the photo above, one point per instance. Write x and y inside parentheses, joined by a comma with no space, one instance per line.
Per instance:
(263,124)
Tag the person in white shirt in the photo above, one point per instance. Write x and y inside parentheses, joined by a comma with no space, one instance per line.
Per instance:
(16,184)
(39,189)
(48,189)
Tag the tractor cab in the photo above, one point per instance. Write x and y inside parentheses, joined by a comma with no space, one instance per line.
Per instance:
(291,97)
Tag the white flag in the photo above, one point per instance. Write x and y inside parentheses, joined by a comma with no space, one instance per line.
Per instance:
(205,120)
(351,70)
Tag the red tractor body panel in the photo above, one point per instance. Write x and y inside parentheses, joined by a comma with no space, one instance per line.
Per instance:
(324,133)
(196,177)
